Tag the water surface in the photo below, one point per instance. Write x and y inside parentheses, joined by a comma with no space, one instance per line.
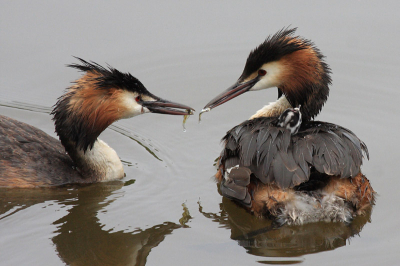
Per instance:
(167,210)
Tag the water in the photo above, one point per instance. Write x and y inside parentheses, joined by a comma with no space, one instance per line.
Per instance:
(167,210)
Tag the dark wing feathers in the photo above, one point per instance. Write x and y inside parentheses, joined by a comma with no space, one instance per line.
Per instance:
(235,187)
(231,162)
(302,155)
(248,141)
(274,155)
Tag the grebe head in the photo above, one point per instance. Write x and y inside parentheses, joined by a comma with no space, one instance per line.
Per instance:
(290,63)
(100,97)
(290,119)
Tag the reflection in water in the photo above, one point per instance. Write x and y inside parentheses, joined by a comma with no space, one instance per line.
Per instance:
(262,238)
(80,238)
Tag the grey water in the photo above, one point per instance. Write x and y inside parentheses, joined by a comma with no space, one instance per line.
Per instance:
(167,210)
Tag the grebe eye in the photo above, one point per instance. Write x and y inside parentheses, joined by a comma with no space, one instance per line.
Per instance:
(262,72)
(138,98)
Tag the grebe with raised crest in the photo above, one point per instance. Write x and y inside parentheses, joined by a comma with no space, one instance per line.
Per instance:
(31,158)
(280,163)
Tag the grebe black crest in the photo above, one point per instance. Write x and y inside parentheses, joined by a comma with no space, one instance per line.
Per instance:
(281,164)
(30,157)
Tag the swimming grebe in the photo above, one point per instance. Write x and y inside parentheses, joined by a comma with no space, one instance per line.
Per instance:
(30,158)
(291,168)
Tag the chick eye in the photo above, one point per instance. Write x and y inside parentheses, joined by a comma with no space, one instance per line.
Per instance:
(262,72)
(138,98)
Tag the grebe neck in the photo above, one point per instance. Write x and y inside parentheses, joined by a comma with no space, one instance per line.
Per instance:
(100,163)
(273,109)
(80,116)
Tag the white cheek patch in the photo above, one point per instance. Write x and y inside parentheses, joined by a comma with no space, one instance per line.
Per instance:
(130,106)
(147,98)
(272,78)
(145,110)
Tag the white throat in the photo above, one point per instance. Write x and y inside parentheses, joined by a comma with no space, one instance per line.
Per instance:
(101,162)
(273,109)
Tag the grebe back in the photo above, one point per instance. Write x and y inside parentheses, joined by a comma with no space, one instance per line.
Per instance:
(291,168)
(31,158)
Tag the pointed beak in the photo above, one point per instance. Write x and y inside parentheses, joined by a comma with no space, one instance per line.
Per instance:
(232,92)
(166,107)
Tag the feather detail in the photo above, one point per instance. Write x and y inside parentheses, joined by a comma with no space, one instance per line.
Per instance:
(276,156)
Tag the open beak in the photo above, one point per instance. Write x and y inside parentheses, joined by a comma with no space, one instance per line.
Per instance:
(166,107)
(232,92)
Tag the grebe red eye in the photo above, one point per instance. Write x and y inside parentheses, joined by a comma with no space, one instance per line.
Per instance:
(138,98)
(262,72)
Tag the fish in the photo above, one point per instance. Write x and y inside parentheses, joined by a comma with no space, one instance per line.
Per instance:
(185,117)
(203,111)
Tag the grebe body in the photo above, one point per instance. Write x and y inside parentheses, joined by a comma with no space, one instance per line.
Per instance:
(31,158)
(280,163)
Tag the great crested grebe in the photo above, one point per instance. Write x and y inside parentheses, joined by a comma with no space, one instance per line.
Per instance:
(30,158)
(280,163)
